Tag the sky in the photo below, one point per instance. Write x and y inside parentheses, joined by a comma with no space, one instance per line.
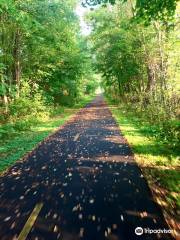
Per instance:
(81,11)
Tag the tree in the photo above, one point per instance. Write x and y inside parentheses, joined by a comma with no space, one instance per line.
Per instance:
(144,9)
(40,45)
(132,58)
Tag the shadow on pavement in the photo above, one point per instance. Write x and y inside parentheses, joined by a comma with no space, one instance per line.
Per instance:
(87,181)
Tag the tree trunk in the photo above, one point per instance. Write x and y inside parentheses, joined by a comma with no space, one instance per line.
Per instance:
(16,72)
(119,88)
(151,79)
(4,95)
(161,36)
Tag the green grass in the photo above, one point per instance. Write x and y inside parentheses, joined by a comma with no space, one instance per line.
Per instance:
(21,142)
(158,161)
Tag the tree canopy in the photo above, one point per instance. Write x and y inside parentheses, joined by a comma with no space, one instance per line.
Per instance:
(136,62)
(144,9)
(41,46)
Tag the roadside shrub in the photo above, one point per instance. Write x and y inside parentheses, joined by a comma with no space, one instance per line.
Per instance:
(25,107)
(57,110)
(170,132)
(162,116)
(29,106)
(24,112)
(7,130)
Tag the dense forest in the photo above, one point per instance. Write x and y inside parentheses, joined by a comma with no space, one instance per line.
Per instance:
(138,58)
(135,46)
(44,61)
(131,53)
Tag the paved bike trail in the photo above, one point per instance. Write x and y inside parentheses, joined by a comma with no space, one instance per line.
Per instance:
(81,183)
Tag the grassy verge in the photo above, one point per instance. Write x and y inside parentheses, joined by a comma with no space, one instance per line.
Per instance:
(158,161)
(22,142)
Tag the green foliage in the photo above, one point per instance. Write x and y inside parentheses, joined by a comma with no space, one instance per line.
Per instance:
(91,87)
(136,64)
(25,107)
(144,9)
(24,112)
(43,61)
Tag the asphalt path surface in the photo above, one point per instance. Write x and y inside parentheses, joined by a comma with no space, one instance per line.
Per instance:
(81,183)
